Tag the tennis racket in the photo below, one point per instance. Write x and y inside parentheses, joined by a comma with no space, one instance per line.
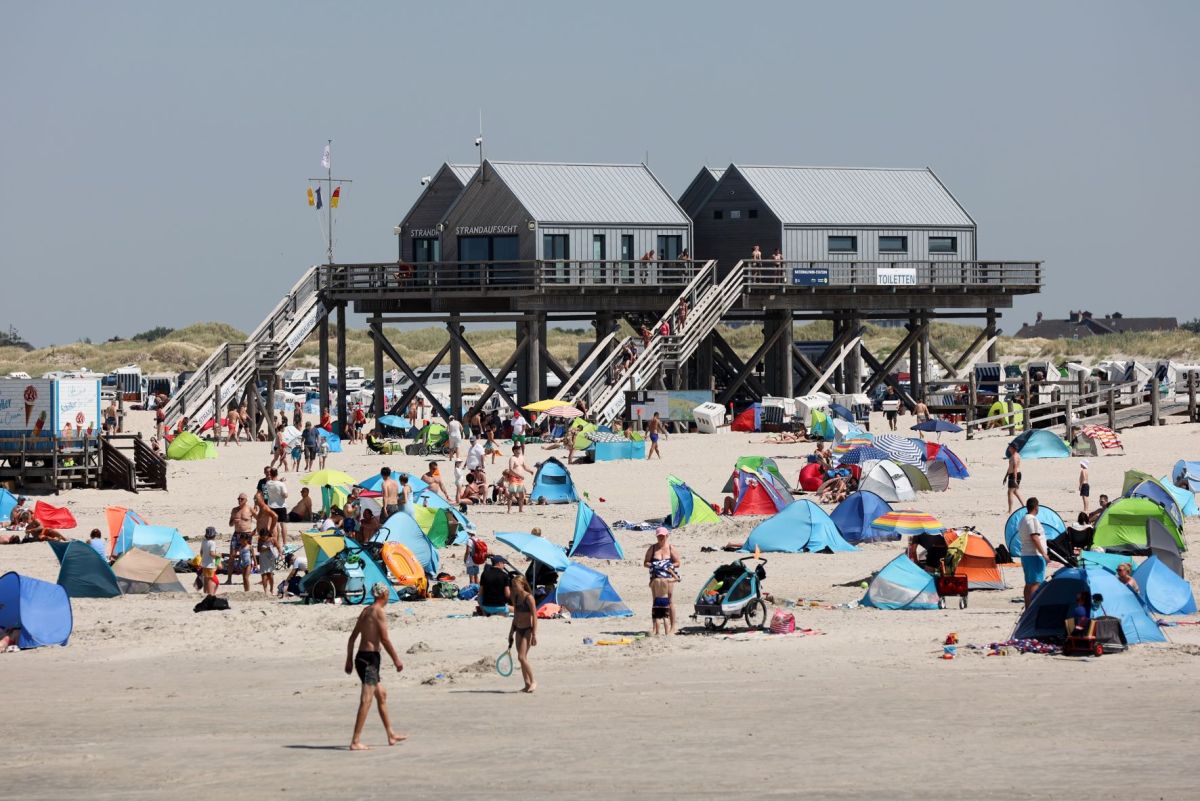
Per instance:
(504,663)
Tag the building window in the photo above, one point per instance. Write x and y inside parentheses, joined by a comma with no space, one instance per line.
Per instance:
(735,214)
(426,250)
(718,214)
(893,244)
(669,247)
(943,244)
(843,244)
(752,214)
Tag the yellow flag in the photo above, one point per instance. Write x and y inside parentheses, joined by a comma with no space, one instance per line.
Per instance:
(335,197)
(311,200)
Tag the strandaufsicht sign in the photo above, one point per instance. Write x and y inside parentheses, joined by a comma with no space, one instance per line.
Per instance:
(423,233)
(485,230)
(896,276)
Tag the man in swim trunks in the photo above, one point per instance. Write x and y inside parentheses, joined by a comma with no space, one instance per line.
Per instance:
(515,482)
(372,628)
(1012,478)
(655,428)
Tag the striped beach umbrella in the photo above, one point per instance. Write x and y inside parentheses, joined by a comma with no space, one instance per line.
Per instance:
(901,449)
(863,453)
(907,522)
(565,412)
(853,441)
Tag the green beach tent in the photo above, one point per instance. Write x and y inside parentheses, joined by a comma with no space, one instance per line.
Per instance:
(687,507)
(1123,525)
(187,447)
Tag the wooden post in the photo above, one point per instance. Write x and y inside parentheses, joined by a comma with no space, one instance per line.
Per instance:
(1028,402)
(1070,415)
(1154,401)
(1112,409)
(1192,397)
(1010,407)
(378,410)
(970,404)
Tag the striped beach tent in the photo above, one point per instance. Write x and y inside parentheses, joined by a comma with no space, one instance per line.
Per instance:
(906,523)
(901,449)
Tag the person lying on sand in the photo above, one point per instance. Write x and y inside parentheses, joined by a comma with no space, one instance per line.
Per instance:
(786,438)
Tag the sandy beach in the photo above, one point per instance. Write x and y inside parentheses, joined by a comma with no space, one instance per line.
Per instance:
(150,700)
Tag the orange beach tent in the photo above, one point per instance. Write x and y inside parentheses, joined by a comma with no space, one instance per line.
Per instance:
(978,562)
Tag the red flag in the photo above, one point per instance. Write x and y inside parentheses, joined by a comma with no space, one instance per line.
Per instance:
(335,197)
(53,516)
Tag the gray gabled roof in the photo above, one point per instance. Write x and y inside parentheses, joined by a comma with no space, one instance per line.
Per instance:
(610,194)
(463,172)
(838,196)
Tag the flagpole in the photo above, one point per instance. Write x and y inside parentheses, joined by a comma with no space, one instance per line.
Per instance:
(329,200)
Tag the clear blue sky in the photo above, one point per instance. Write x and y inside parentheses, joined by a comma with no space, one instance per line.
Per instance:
(165,147)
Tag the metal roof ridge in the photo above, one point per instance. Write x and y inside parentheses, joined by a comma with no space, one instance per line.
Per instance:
(567,163)
(818,167)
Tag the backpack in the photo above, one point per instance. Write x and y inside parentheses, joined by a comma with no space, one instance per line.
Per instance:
(479,551)
(444,589)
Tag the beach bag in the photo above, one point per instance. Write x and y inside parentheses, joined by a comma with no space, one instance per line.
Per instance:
(479,551)
(783,622)
(444,589)
(468,592)
(211,603)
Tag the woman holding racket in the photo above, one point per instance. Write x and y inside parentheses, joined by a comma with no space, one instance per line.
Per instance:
(524,628)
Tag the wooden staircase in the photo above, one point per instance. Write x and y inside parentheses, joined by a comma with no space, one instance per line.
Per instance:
(128,463)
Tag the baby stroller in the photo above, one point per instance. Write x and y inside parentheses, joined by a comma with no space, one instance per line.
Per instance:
(733,591)
(342,575)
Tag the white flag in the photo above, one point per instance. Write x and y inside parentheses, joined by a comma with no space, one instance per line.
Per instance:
(325,157)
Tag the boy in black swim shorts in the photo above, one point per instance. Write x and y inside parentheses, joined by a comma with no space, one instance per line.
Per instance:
(372,628)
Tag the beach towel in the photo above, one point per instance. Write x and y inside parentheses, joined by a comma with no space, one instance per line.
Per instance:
(1105,437)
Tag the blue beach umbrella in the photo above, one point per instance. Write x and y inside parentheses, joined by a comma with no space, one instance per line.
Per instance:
(938,426)
(544,551)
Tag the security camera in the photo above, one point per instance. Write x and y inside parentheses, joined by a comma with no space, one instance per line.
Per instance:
(478,141)
(397,230)
(426,179)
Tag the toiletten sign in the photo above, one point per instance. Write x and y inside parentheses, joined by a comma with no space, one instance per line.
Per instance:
(896,276)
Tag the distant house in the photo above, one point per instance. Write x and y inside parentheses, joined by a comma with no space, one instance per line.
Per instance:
(1080,324)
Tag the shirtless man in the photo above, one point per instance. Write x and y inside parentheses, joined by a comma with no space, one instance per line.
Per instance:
(372,628)
(242,521)
(433,478)
(1012,478)
(233,420)
(412,412)
(513,478)
(921,411)
(655,429)
(390,492)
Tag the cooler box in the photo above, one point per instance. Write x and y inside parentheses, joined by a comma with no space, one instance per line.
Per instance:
(709,418)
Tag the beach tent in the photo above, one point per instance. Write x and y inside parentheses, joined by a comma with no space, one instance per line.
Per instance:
(1184,497)
(593,537)
(1054,603)
(41,610)
(333,440)
(120,525)
(553,483)
(187,447)
(82,572)
(904,450)
(427,497)
(57,517)
(1186,474)
(435,523)
(1091,440)
(955,467)
(820,425)
(1101,559)
(1122,527)
(401,529)
(8,502)
(1162,590)
(1151,490)
(759,464)
(749,419)
(687,507)
(139,572)
(582,428)
(901,585)
(432,435)
(1052,524)
(801,527)
(1039,443)
(1161,543)
(405,567)
(537,548)
(978,562)
(1132,479)
(759,494)
(373,573)
(317,543)
(936,474)
(587,593)
(886,480)
(1013,411)
(853,518)
(916,476)
(161,541)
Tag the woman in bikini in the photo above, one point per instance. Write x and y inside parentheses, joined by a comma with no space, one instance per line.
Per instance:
(524,628)
(663,562)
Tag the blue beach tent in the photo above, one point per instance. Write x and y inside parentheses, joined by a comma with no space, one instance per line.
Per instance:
(1054,602)
(8,502)
(404,530)
(161,541)
(1184,497)
(593,537)
(373,572)
(537,548)
(334,441)
(1186,474)
(1051,522)
(82,572)
(375,483)
(41,610)
(1040,443)
(553,483)
(1163,591)
(801,527)
(854,516)
(902,584)
(1109,560)
(587,593)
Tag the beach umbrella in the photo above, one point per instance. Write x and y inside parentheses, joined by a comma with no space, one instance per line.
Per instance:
(538,548)
(565,412)
(863,453)
(854,440)
(393,421)
(334,478)
(841,411)
(938,426)
(901,449)
(907,523)
(543,405)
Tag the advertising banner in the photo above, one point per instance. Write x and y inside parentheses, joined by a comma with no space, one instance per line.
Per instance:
(44,407)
